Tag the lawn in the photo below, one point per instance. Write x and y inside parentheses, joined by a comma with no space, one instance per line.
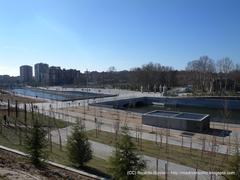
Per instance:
(10,138)
(173,153)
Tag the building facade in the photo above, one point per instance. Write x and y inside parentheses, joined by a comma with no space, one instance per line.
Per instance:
(26,73)
(42,73)
(70,76)
(55,76)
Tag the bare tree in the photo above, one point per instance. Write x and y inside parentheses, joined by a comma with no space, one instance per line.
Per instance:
(161,137)
(203,138)
(228,147)
(226,114)
(49,134)
(156,135)
(182,141)
(167,135)
(136,132)
(151,75)
(225,66)
(235,76)
(190,143)
(1,124)
(196,170)
(16,118)
(213,155)
(58,130)
(202,73)
(141,132)
(166,170)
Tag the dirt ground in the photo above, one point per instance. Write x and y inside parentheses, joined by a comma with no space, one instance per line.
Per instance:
(136,119)
(107,113)
(13,166)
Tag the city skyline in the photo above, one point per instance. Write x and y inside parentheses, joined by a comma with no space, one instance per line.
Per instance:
(95,35)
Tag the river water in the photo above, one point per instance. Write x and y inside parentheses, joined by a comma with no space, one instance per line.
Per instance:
(57,95)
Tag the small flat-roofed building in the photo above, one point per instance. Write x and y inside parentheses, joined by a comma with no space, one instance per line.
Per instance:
(177,120)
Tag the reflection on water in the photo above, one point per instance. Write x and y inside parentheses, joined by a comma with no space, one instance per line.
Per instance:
(57,95)
(38,94)
(216,114)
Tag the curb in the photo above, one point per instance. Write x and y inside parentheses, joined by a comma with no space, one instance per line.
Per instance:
(56,164)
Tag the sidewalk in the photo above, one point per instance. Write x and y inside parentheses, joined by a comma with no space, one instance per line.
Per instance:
(104,151)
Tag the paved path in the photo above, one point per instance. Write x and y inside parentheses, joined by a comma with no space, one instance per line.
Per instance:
(104,151)
(108,126)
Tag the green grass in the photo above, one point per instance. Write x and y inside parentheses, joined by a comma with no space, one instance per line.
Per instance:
(60,156)
(96,166)
(9,139)
(177,154)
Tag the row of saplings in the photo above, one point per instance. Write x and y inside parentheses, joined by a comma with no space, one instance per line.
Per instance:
(123,164)
(125,158)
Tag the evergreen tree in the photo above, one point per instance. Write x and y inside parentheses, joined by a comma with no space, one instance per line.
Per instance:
(125,159)
(36,144)
(78,147)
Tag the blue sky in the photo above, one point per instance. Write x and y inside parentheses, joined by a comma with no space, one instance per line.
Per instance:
(97,34)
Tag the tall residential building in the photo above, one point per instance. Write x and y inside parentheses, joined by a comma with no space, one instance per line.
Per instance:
(71,76)
(26,73)
(42,73)
(55,76)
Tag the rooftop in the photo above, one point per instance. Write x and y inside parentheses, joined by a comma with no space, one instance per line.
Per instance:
(178,115)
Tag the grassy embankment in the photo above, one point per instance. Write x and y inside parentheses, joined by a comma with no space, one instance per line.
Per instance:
(96,166)
(180,155)
(9,137)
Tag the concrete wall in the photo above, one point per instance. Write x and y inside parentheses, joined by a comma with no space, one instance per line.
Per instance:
(174,123)
(215,103)
(124,103)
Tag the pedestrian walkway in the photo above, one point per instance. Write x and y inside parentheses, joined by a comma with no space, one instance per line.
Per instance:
(104,151)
